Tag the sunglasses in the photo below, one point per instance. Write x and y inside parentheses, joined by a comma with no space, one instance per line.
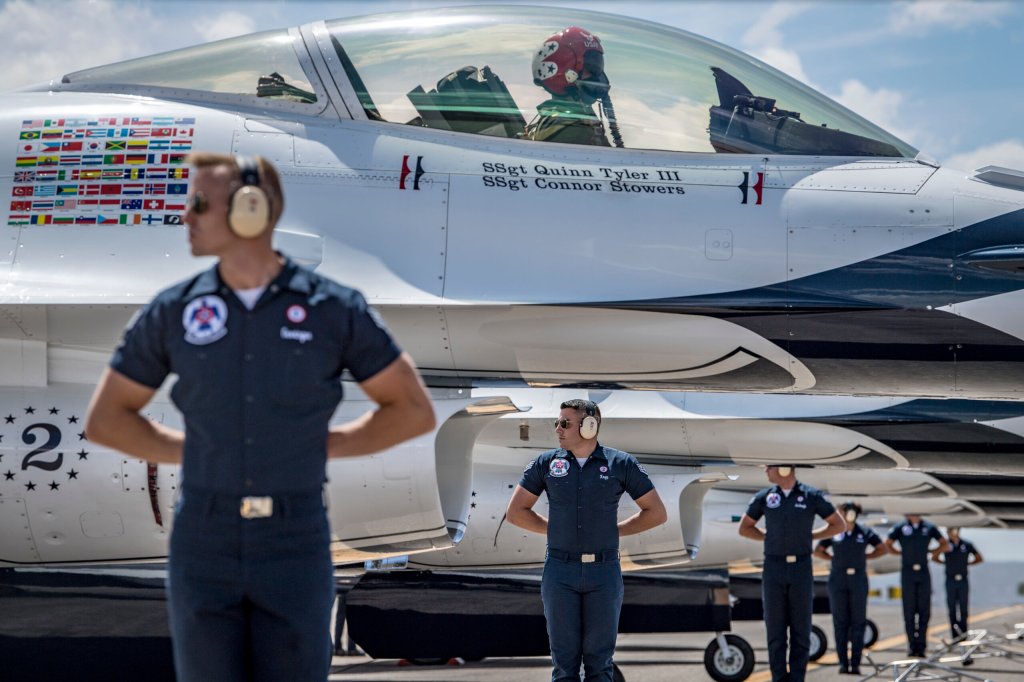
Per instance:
(564,423)
(198,203)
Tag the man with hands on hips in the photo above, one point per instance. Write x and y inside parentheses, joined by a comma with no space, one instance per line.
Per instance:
(582,583)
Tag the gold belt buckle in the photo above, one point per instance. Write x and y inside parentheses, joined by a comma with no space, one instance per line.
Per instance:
(917,567)
(588,558)
(959,577)
(256,507)
(851,571)
(790,558)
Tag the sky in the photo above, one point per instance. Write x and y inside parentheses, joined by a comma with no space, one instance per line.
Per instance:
(943,75)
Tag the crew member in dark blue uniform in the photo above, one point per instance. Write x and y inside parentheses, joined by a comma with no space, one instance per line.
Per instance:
(582,583)
(961,554)
(258,345)
(914,535)
(848,584)
(789,508)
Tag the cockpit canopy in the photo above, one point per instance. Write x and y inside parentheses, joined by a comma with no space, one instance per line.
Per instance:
(469,70)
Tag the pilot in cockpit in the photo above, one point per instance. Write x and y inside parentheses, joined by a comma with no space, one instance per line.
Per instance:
(570,66)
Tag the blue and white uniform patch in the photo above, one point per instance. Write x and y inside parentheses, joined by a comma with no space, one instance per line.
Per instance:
(205,320)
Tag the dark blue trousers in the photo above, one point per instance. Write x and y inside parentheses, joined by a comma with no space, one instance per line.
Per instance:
(581,605)
(956,600)
(848,595)
(250,599)
(787,592)
(917,606)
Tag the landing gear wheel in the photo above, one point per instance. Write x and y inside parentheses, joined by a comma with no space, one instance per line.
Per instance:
(870,633)
(732,665)
(428,661)
(819,643)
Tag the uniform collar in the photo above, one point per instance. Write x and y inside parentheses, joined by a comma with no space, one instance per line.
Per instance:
(598,453)
(291,277)
(798,486)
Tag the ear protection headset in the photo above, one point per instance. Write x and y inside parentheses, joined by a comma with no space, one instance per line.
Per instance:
(588,426)
(248,205)
(785,471)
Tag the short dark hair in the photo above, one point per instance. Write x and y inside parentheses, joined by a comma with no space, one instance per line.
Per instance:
(847,506)
(584,406)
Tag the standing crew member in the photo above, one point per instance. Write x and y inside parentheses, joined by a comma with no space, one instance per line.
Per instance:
(259,345)
(582,583)
(961,554)
(848,584)
(789,508)
(914,536)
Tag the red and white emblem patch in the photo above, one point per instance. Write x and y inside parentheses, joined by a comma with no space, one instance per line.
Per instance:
(295,314)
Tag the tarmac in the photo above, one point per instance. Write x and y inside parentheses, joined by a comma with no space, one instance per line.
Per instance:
(679,657)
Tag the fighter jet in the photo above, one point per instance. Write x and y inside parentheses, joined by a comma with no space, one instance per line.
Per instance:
(737,231)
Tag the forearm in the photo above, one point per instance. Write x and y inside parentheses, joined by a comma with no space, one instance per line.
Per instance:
(639,522)
(134,435)
(828,531)
(752,533)
(379,430)
(527,519)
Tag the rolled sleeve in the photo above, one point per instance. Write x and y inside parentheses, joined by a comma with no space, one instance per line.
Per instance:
(637,483)
(823,507)
(755,509)
(533,478)
(142,354)
(369,347)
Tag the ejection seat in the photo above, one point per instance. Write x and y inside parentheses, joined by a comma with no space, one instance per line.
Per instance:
(469,100)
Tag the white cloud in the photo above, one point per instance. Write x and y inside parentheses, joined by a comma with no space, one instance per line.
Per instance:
(1008,153)
(225,25)
(43,41)
(881,107)
(764,39)
(786,61)
(919,17)
(765,30)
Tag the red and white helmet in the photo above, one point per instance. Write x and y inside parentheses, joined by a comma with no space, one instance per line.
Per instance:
(559,61)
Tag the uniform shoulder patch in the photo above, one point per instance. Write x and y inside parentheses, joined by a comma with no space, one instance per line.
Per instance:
(530,465)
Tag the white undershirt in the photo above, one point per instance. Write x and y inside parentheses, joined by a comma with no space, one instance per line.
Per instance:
(248,297)
(786,491)
(581,460)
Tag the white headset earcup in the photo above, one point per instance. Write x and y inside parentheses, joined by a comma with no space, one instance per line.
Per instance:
(588,427)
(785,471)
(250,212)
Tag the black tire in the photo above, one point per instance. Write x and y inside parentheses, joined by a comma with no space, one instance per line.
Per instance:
(428,661)
(870,634)
(732,666)
(819,643)
(617,675)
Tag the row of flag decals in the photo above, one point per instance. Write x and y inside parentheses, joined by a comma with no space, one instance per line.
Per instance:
(119,170)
